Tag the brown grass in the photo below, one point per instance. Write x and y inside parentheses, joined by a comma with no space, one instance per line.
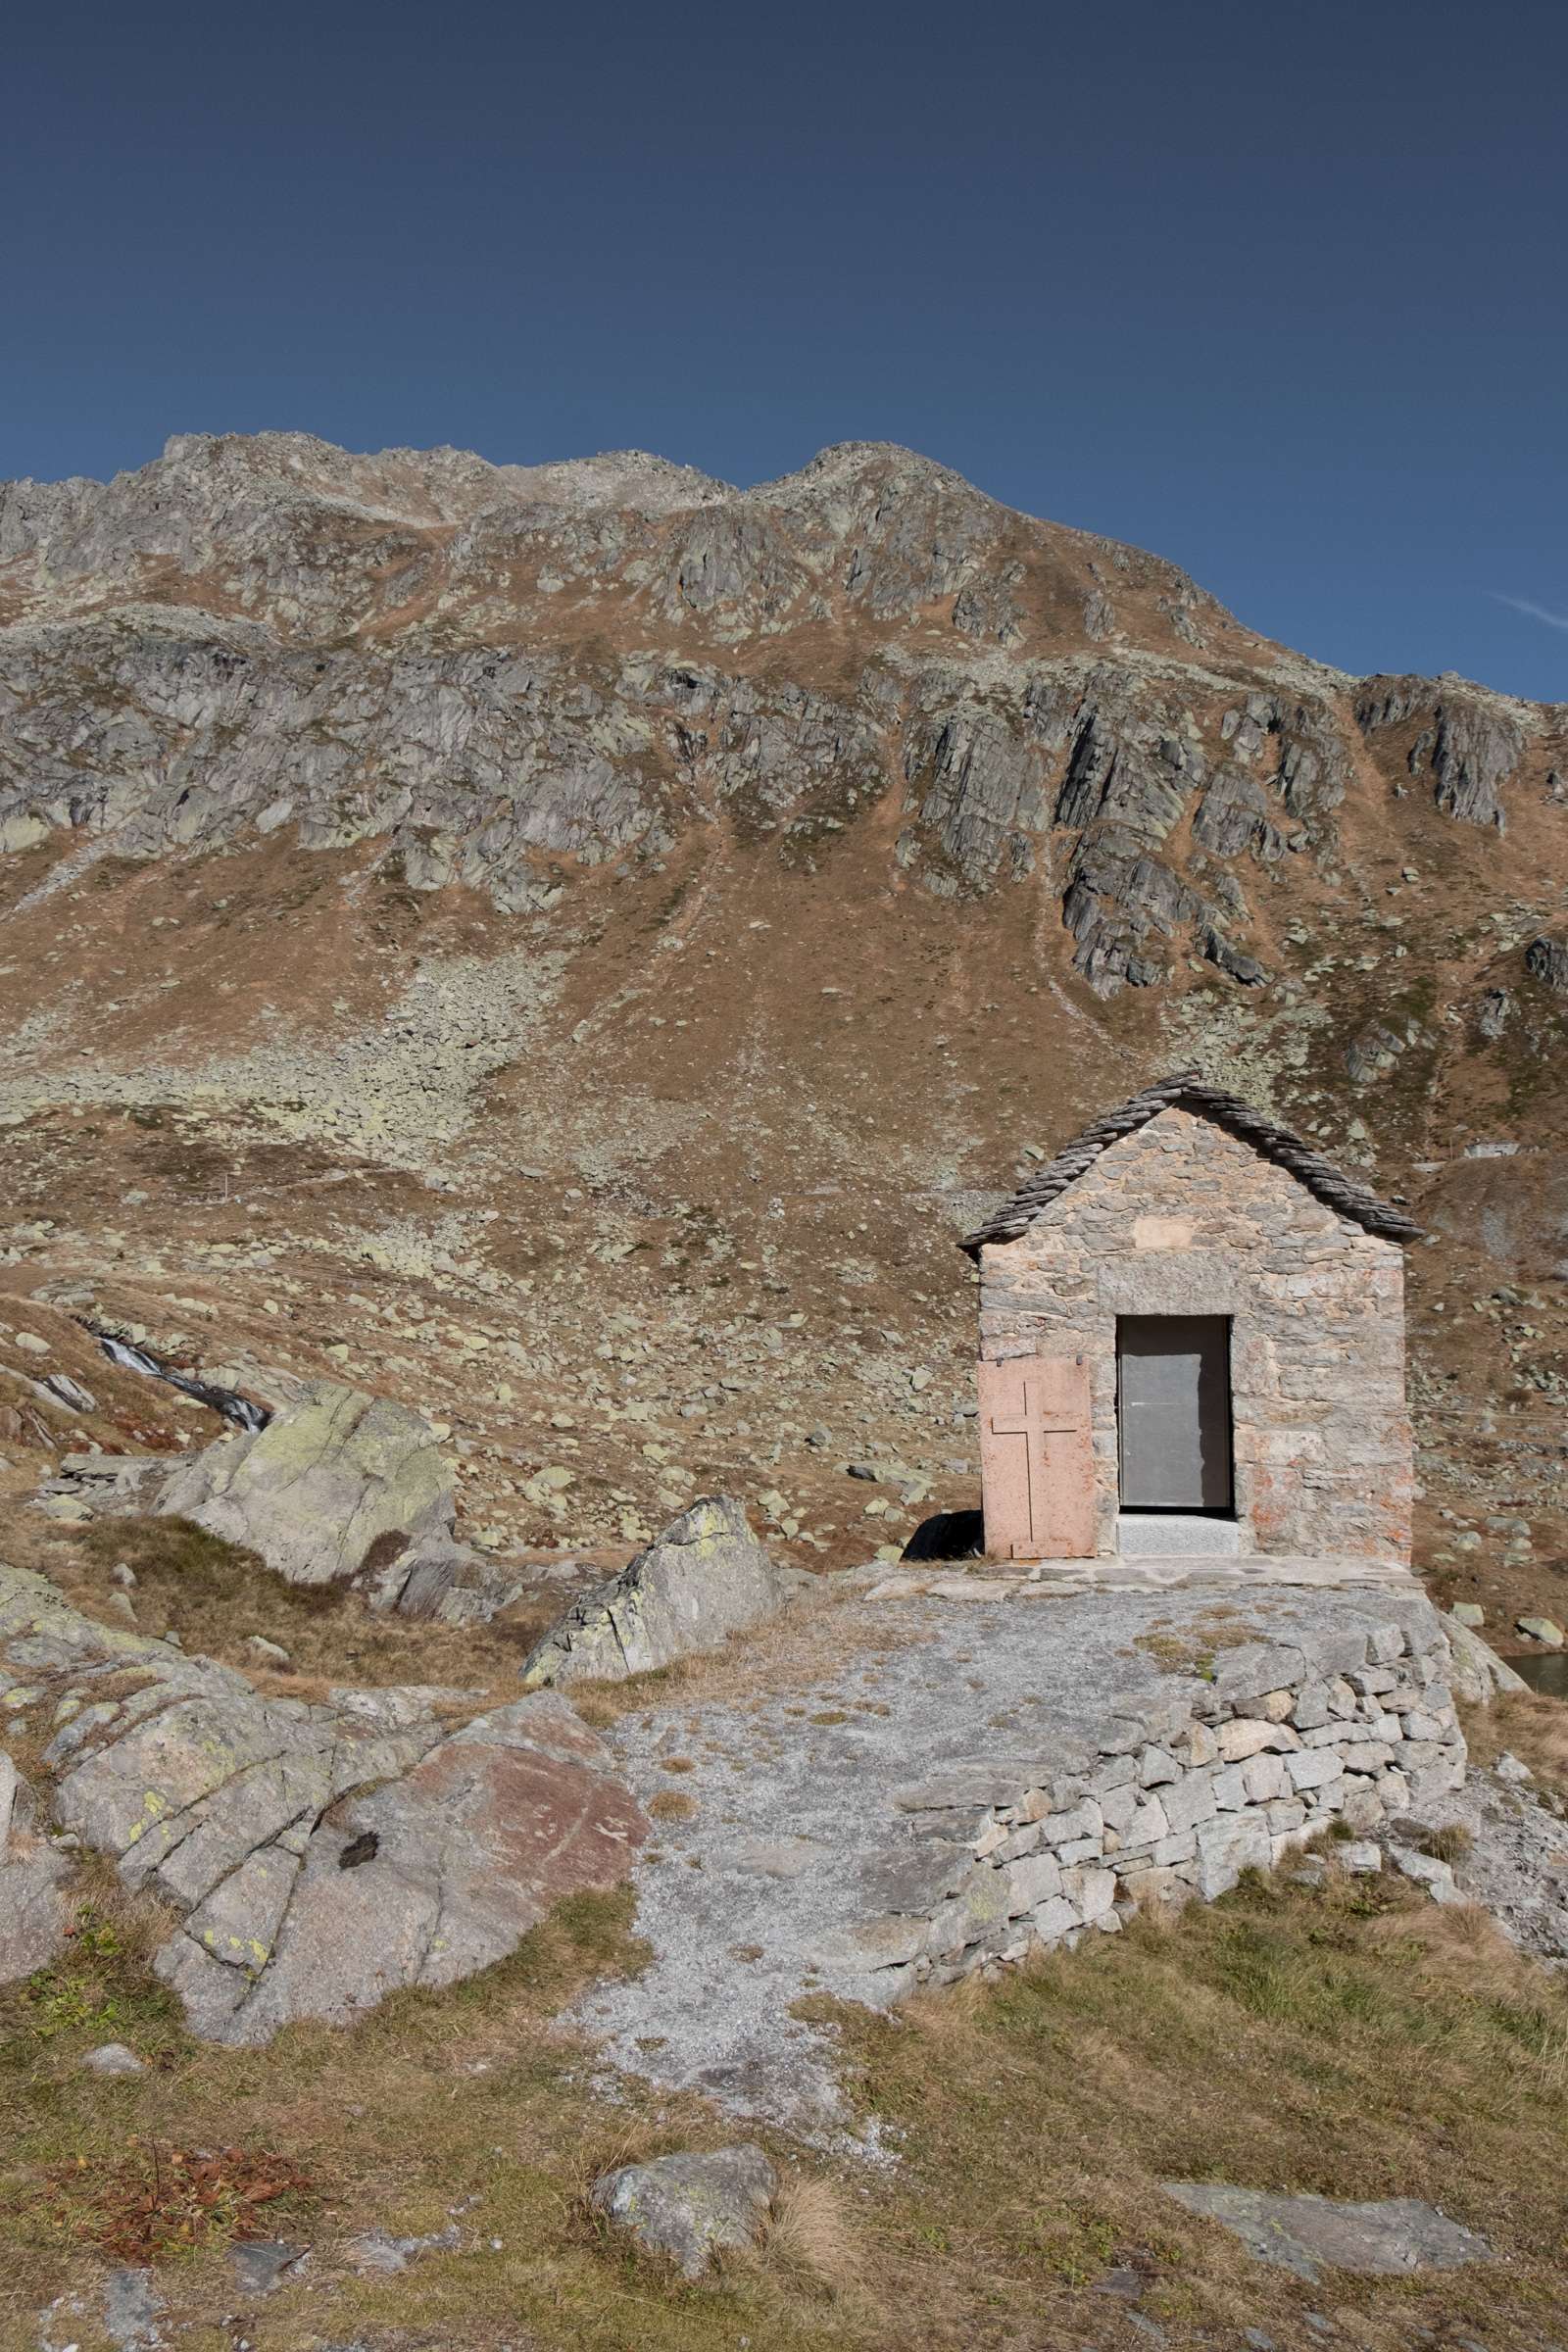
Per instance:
(1190,1649)
(814,2238)
(671,1805)
(1529,1726)
(215,1595)
(1356,2040)
(1450,1843)
(810,1643)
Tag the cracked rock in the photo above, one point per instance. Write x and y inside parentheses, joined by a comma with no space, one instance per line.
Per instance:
(707,1577)
(319,1857)
(335,1485)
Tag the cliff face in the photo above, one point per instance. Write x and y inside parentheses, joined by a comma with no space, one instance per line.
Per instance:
(506,675)
(763,870)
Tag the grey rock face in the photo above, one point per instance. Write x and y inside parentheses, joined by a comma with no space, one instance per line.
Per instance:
(1389,2237)
(1547,959)
(707,1577)
(1479,1675)
(327,1484)
(427,1880)
(691,2207)
(32,1877)
(266,634)
(1513,1862)
(1468,742)
(297,1897)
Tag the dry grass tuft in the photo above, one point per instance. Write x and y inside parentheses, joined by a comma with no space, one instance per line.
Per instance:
(1448,1841)
(671,1805)
(1190,1649)
(813,2237)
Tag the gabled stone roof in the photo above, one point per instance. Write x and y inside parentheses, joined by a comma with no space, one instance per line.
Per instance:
(1188,1091)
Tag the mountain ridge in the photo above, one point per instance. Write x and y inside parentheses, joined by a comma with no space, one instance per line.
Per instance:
(608,933)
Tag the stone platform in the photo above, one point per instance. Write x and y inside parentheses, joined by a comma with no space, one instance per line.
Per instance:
(936,1791)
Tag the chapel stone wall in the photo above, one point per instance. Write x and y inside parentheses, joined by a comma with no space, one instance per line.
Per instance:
(1184,1218)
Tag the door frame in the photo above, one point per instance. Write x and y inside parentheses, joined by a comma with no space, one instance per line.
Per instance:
(1186,1510)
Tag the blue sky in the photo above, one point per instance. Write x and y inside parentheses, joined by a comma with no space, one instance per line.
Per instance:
(1276,292)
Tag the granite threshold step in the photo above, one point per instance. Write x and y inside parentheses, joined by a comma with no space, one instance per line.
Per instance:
(1164,1532)
(1143,1572)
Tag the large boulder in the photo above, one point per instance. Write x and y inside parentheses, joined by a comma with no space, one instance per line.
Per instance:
(690,2207)
(339,1485)
(426,1881)
(297,1895)
(33,1906)
(706,1577)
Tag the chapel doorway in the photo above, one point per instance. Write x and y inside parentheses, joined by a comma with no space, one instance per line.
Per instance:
(1173,1413)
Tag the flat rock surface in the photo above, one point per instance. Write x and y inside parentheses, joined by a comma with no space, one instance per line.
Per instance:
(807,1801)
(1388,2239)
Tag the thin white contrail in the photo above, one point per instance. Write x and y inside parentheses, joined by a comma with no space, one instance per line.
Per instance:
(1522,603)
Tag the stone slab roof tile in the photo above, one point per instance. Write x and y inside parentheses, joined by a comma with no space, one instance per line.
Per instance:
(1188,1090)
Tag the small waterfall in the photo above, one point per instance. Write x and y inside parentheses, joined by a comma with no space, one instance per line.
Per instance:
(239,1409)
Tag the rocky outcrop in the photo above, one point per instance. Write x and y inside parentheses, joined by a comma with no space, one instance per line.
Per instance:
(317,1857)
(706,1577)
(33,1912)
(1477,1675)
(337,1486)
(424,1881)
(1467,742)
(691,2207)
(1547,959)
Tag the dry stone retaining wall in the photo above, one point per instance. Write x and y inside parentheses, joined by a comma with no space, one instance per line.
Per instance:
(1352,1723)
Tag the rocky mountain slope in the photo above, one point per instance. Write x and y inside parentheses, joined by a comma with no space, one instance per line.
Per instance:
(573,945)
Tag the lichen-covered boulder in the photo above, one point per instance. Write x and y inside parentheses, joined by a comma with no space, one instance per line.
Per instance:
(706,1577)
(335,1486)
(690,2206)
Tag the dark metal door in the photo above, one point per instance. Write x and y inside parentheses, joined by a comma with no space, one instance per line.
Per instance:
(1174,1411)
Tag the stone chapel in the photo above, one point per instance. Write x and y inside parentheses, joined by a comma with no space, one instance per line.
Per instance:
(1192,1341)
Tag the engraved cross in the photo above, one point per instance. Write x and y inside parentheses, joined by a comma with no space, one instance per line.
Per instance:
(1034,1423)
